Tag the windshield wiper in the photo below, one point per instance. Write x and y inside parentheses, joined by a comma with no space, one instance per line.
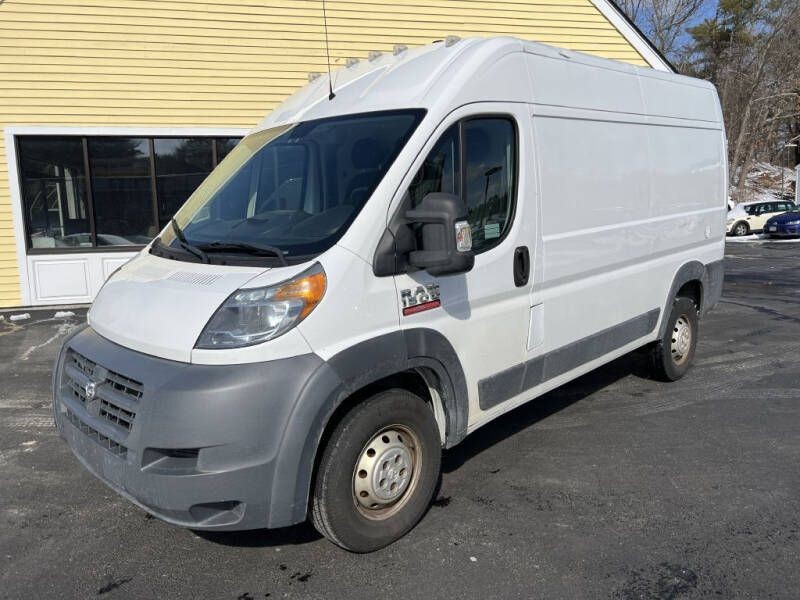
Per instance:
(249,248)
(184,243)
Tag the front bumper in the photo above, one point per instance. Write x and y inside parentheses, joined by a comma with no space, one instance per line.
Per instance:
(195,445)
(782,230)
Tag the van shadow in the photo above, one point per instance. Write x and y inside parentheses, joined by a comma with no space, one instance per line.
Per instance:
(487,436)
(550,403)
(294,535)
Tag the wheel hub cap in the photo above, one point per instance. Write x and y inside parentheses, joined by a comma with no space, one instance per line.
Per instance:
(384,469)
(681,339)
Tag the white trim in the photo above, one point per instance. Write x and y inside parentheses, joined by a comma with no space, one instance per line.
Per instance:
(642,45)
(16,216)
(12,131)
(128,130)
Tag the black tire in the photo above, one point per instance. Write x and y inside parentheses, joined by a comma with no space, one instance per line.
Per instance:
(741,228)
(336,511)
(669,358)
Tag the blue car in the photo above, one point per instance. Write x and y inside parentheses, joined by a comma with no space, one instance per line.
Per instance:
(784,225)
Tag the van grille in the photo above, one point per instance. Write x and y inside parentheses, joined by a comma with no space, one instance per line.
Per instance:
(115,399)
(105,441)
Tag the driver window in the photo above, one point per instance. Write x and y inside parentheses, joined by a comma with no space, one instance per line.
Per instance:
(489,167)
(439,172)
(485,177)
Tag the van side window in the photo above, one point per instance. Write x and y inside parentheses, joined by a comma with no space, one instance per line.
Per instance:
(440,171)
(490,165)
(486,172)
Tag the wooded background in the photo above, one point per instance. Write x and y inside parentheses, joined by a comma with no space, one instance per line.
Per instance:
(749,49)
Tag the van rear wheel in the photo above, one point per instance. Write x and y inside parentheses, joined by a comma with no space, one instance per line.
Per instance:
(378,472)
(672,356)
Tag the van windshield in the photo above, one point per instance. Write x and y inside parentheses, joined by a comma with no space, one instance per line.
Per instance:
(288,193)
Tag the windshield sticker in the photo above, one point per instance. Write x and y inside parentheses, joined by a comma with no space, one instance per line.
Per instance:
(491,231)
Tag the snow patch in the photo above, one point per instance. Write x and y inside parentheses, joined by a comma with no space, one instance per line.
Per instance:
(62,330)
(22,317)
(64,314)
(765,182)
(760,238)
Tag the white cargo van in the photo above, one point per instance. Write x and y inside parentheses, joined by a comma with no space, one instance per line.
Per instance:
(370,277)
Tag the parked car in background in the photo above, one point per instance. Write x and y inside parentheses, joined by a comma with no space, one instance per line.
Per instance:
(783,225)
(750,217)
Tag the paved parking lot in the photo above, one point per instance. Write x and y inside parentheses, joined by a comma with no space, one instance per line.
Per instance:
(611,487)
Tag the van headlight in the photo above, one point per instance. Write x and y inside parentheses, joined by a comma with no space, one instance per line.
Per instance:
(252,316)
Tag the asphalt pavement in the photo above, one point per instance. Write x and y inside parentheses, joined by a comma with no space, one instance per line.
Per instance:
(613,486)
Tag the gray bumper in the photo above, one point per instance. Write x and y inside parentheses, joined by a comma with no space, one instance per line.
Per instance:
(198,446)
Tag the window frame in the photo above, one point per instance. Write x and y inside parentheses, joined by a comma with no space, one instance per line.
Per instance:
(462,176)
(84,139)
(462,151)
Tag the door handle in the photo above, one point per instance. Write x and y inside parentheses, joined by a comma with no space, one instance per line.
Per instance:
(522,266)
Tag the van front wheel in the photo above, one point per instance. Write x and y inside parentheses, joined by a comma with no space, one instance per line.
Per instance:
(672,356)
(378,472)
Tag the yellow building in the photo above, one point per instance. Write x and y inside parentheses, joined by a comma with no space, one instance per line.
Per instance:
(112,111)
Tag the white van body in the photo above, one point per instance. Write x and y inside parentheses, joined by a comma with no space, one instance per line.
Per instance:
(619,200)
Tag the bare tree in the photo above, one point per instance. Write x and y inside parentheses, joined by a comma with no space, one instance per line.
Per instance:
(757,74)
(663,21)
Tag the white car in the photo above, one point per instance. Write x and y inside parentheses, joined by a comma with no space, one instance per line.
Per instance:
(468,226)
(750,217)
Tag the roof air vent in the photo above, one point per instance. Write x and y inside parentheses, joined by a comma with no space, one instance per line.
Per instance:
(451,40)
(351,62)
(313,76)
(399,49)
(373,54)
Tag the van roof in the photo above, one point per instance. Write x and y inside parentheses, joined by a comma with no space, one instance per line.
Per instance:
(450,73)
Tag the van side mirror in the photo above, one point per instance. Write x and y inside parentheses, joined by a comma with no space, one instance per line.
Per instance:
(446,237)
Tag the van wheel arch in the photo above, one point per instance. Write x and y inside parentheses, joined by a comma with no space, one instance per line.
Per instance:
(421,361)
(421,382)
(690,281)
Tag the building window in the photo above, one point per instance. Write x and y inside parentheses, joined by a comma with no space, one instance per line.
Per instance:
(181,165)
(122,191)
(102,192)
(224,146)
(53,184)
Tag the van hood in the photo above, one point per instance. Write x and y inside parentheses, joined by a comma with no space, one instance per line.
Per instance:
(160,307)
